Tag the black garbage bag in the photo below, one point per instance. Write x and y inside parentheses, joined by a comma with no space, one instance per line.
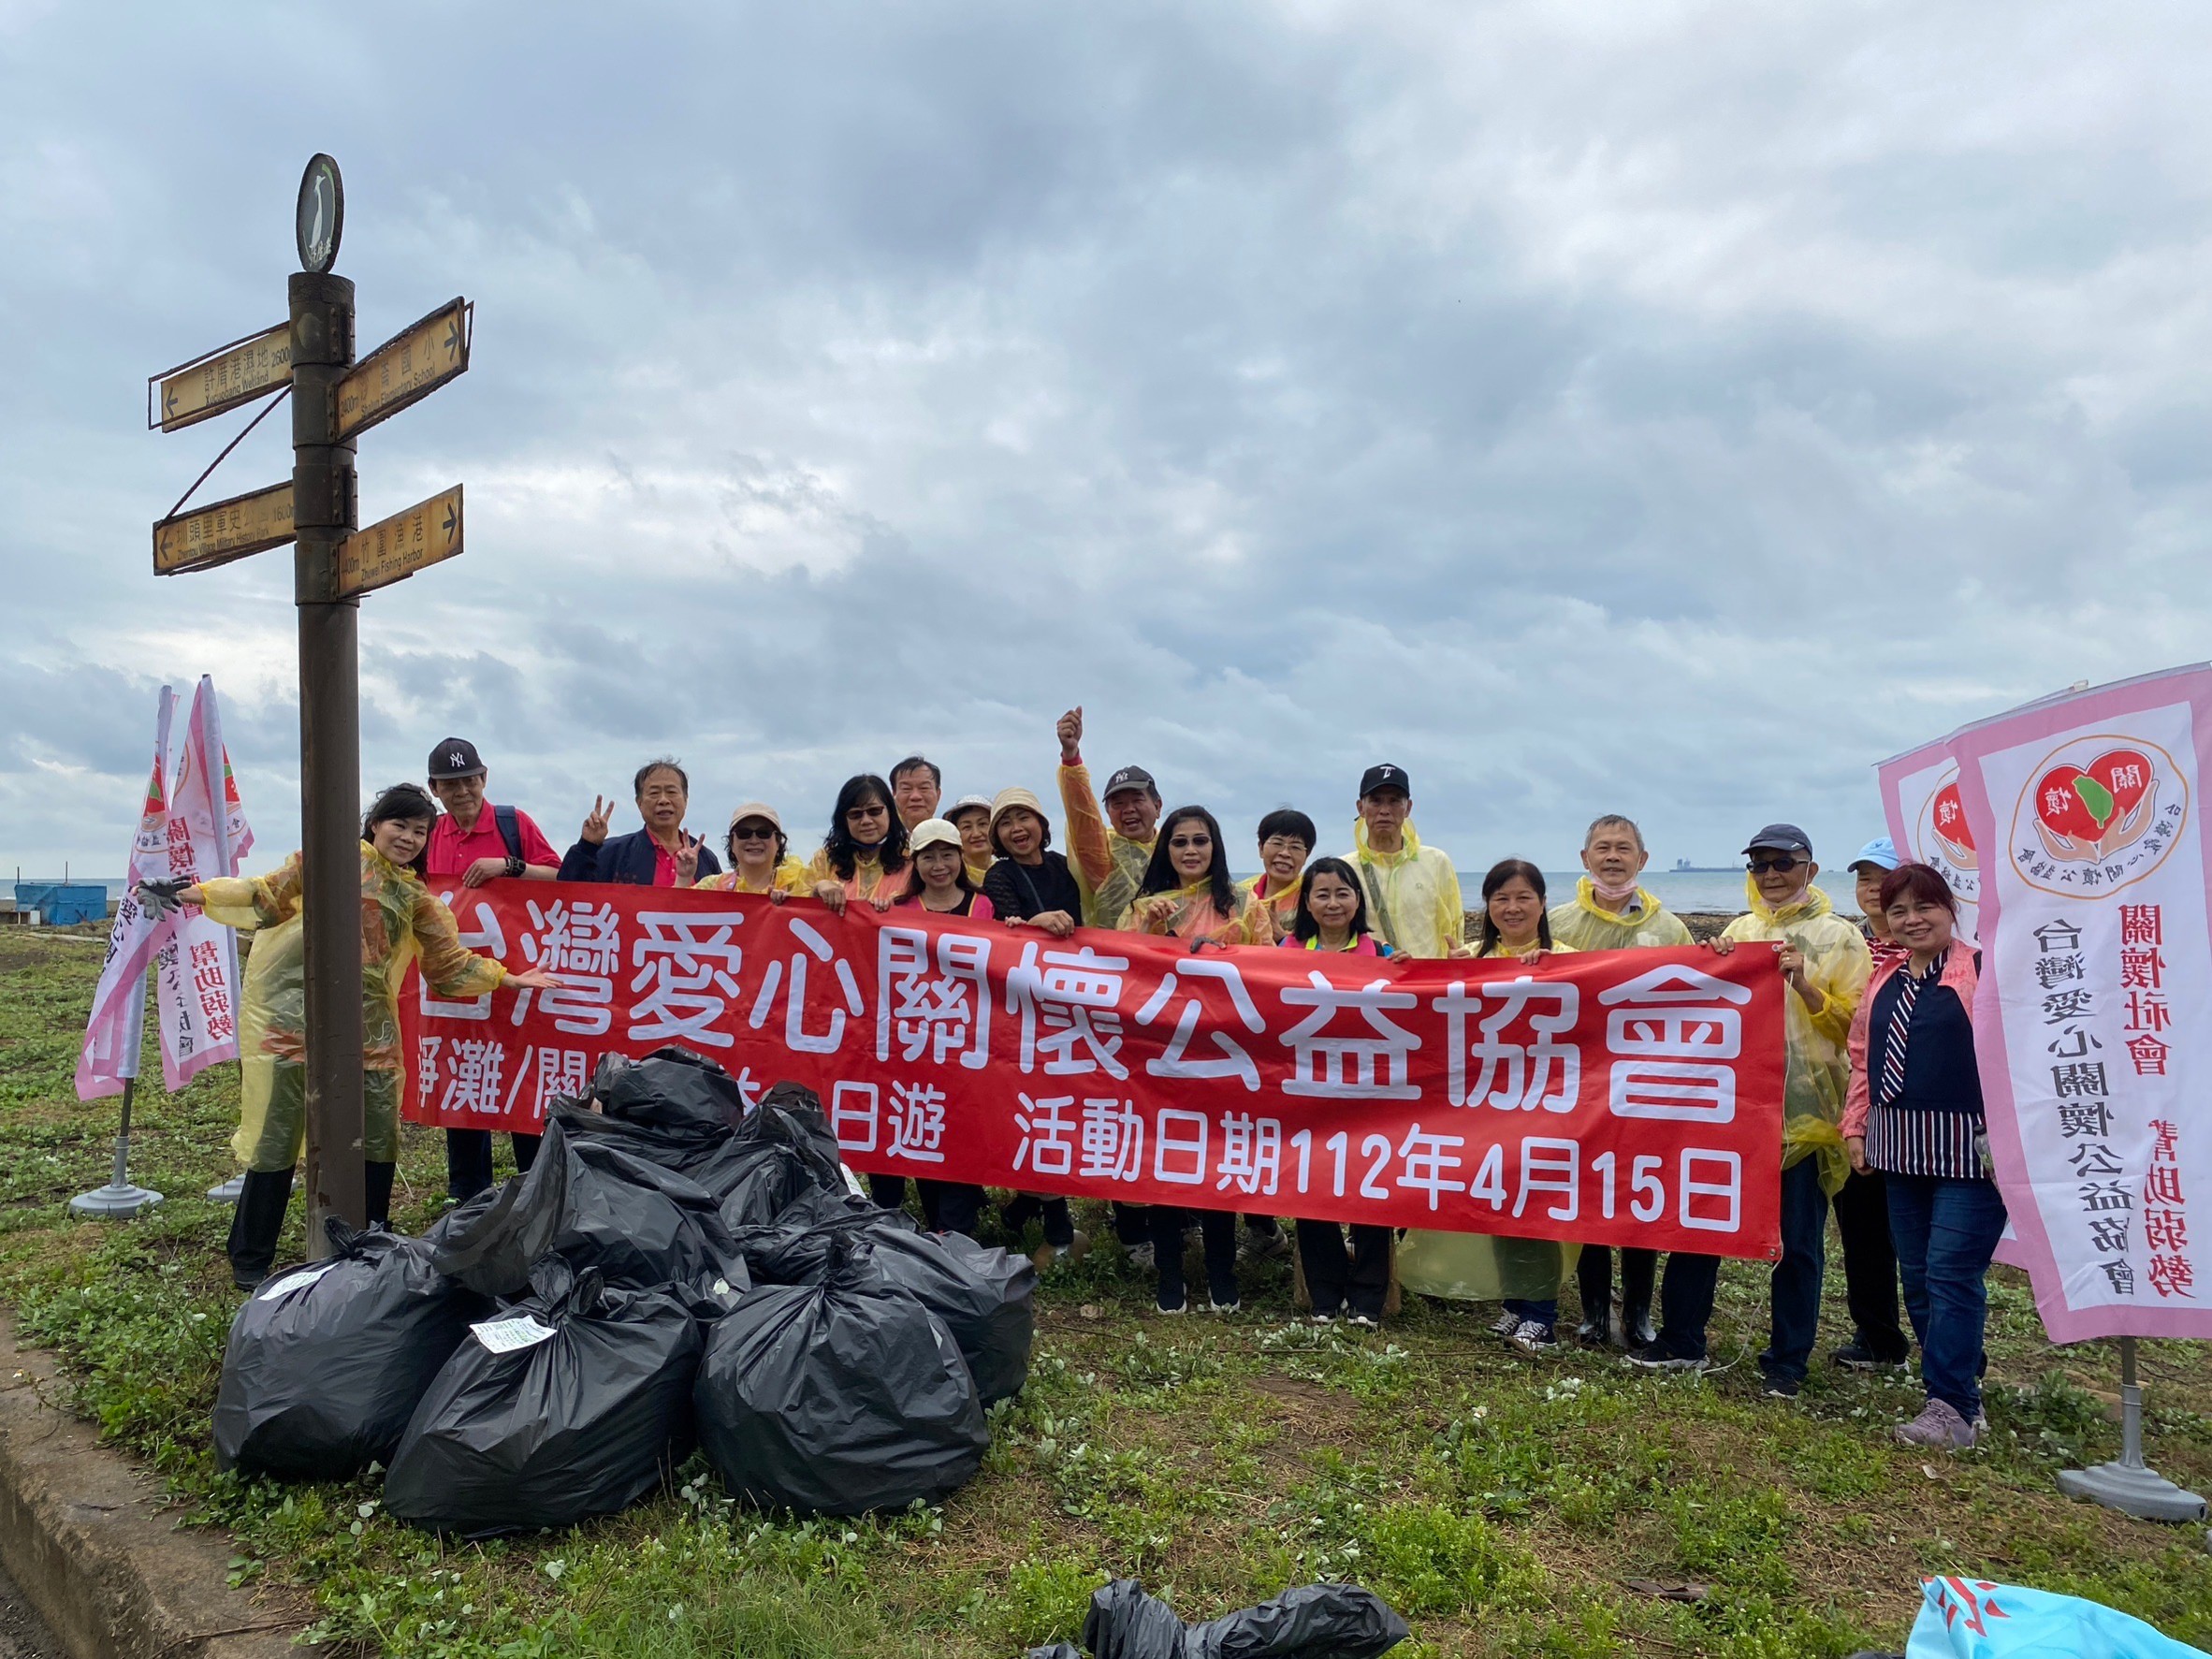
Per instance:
(984,1295)
(1313,1622)
(639,1224)
(686,1096)
(461,1216)
(573,1403)
(839,1397)
(325,1363)
(785,1151)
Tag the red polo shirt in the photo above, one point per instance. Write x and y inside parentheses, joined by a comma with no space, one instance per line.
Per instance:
(451,853)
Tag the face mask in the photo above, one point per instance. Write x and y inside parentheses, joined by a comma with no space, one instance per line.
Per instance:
(1614,898)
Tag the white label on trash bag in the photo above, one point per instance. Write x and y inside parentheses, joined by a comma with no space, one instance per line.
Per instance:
(276,1289)
(504,1336)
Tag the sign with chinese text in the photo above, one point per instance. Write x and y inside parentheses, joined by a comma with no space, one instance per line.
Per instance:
(405,369)
(224,380)
(2090,1023)
(394,548)
(1629,1097)
(224,530)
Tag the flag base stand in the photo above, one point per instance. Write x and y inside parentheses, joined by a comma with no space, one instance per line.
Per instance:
(2130,1485)
(120,1198)
(115,1201)
(227,1191)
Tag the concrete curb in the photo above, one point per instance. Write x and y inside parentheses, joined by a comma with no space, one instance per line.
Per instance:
(88,1541)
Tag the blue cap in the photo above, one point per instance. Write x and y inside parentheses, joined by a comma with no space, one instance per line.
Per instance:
(1881,852)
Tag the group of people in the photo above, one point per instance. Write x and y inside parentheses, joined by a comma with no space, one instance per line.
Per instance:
(1881,1102)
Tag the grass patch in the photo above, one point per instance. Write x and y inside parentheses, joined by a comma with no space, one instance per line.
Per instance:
(1499,1501)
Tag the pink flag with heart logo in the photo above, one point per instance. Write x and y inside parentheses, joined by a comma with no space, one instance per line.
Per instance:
(196,965)
(1928,823)
(111,1051)
(2090,1026)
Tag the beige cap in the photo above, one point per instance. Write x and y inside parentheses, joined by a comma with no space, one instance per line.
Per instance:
(932,832)
(1011,798)
(755,809)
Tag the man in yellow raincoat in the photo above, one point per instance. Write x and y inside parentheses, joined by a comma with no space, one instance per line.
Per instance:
(1826,962)
(400,923)
(1109,852)
(1413,891)
(1612,910)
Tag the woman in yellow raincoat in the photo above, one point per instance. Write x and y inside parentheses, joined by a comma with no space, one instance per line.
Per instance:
(865,855)
(1523,1275)
(401,923)
(1826,961)
(760,857)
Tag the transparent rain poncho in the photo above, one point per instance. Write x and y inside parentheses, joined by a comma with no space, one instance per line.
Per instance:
(401,923)
(1108,867)
(1486,1267)
(1584,923)
(1196,917)
(1413,895)
(1819,1075)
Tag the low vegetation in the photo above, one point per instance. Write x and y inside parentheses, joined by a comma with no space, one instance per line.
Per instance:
(1557,1506)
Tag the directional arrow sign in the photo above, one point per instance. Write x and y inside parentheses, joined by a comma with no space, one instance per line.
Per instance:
(405,369)
(425,535)
(222,380)
(212,535)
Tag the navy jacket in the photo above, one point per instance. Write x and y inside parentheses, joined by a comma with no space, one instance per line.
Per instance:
(627,859)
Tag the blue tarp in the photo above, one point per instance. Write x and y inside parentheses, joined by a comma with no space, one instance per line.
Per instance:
(63,904)
(1973,1619)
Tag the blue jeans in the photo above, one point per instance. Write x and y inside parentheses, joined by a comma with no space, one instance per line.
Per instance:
(1543,1312)
(1687,1288)
(1946,1231)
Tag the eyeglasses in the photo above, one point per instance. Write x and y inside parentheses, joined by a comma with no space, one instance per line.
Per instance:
(1782,865)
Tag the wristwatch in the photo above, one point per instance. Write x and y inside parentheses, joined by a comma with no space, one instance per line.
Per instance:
(514,865)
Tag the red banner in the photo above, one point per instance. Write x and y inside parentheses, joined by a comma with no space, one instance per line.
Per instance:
(1615,1098)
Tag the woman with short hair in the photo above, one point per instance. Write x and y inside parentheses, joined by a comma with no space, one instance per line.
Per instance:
(760,857)
(406,925)
(1287,839)
(1914,1111)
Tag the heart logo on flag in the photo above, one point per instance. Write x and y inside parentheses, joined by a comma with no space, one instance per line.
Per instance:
(1947,817)
(2087,813)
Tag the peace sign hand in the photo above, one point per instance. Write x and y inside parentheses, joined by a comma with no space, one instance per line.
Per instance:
(595,830)
(687,857)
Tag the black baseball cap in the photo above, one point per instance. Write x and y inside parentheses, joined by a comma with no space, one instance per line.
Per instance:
(1779,837)
(1129,777)
(456,757)
(1381,777)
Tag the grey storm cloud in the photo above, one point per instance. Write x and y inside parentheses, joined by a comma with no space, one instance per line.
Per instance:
(1671,410)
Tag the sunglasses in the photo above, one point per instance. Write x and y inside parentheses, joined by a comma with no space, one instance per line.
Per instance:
(1760,867)
(743,833)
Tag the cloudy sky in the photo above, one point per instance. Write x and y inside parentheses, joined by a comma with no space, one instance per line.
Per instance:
(1669,408)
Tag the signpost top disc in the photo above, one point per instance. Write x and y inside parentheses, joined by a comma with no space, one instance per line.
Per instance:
(320,219)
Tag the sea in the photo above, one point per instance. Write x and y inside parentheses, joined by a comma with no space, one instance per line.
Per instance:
(1718,893)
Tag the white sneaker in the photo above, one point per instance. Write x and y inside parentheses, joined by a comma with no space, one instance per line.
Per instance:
(1505,1325)
(1939,1428)
(1532,1338)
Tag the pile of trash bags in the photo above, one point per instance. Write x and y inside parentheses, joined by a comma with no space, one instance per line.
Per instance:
(676,1269)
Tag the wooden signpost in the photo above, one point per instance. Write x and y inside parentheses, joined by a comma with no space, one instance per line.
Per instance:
(334,399)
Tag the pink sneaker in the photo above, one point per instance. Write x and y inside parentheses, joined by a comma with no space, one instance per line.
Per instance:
(1938,1428)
